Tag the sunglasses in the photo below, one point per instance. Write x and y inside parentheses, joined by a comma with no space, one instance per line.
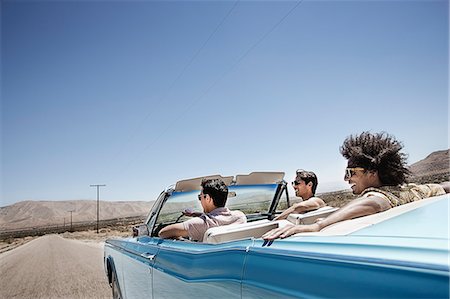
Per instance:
(200,196)
(295,183)
(349,172)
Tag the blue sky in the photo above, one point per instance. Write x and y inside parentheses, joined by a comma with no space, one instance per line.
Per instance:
(137,95)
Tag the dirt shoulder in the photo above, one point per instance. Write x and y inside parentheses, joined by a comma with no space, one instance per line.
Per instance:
(103,234)
(12,243)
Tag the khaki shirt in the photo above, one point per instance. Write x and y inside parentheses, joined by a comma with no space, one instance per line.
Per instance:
(196,227)
(399,195)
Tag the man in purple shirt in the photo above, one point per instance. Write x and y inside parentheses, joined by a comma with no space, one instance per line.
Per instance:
(213,198)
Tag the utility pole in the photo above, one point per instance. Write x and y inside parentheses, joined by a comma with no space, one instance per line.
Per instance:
(71,220)
(97,201)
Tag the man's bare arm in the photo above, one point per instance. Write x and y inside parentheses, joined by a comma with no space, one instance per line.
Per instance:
(356,208)
(308,205)
(173,231)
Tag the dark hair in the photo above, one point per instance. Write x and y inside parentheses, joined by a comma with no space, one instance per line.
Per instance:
(308,176)
(217,189)
(379,152)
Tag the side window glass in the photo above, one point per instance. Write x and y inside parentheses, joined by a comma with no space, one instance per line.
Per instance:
(283,204)
(251,199)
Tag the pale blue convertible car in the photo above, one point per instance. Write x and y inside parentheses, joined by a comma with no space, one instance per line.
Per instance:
(402,252)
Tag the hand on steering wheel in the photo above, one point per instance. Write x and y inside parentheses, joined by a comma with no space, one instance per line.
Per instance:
(188,212)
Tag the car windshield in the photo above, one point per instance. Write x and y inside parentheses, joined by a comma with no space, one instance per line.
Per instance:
(250,199)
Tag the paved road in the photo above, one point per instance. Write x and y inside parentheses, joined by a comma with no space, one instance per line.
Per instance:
(54,267)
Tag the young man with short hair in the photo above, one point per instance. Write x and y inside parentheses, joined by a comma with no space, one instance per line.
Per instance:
(305,185)
(213,198)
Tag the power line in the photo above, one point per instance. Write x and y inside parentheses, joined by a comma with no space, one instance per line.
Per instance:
(238,61)
(163,98)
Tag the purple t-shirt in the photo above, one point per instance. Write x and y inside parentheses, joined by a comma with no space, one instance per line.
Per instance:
(196,227)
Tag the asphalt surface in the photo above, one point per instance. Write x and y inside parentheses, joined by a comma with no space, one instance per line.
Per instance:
(54,267)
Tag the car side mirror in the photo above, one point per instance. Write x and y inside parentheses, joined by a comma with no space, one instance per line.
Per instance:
(140,230)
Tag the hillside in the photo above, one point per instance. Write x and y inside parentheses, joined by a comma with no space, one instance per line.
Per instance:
(39,213)
(434,168)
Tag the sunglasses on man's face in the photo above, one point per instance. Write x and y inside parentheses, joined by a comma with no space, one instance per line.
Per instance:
(295,183)
(200,196)
(349,172)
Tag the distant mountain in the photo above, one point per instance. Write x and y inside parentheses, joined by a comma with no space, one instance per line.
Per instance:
(434,168)
(27,214)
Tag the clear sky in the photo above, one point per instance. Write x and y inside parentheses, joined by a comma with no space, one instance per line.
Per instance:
(137,95)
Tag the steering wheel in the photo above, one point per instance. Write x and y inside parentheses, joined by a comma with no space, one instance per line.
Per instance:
(179,217)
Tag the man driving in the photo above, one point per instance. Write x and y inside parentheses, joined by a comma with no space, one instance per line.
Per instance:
(213,198)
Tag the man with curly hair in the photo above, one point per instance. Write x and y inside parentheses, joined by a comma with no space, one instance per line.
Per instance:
(377,172)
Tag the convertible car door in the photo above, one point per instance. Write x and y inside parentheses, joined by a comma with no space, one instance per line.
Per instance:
(137,267)
(185,269)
